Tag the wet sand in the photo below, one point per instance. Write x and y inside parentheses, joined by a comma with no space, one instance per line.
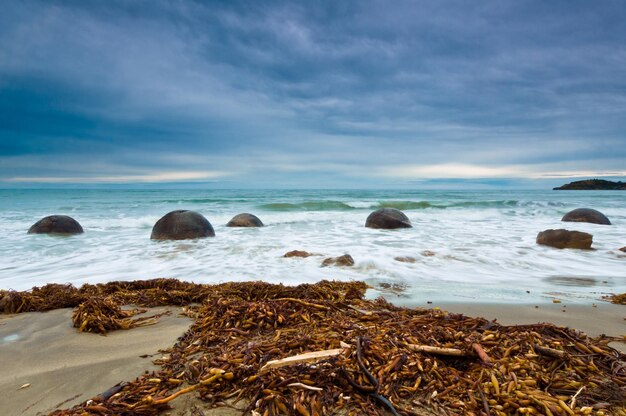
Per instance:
(65,367)
(605,318)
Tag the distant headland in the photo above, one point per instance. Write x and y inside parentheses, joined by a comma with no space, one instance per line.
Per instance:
(593,185)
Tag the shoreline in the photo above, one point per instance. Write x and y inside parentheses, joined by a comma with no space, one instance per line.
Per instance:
(64,367)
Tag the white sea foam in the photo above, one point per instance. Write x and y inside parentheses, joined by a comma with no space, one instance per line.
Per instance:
(484,243)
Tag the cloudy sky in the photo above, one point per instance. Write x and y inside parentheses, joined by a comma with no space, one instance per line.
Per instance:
(349,93)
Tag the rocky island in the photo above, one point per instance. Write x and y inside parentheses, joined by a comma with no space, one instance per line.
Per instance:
(593,185)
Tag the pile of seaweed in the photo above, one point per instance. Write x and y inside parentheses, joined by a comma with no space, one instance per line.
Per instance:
(322,349)
(620,299)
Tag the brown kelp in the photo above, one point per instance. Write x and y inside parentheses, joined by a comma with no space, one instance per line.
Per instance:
(620,299)
(321,349)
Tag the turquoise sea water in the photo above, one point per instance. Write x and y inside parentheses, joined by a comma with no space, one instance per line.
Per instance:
(483,241)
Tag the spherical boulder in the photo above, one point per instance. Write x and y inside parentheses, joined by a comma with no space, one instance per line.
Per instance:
(565,239)
(586,215)
(245,220)
(56,224)
(388,218)
(182,225)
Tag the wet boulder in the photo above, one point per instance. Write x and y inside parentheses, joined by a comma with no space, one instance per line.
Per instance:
(565,239)
(343,261)
(182,225)
(56,224)
(405,259)
(388,219)
(245,220)
(623,249)
(586,215)
(298,253)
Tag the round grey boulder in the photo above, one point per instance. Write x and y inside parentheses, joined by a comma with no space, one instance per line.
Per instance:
(56,224)
(245,220)
(388,219)
(182,225)
(586,215)
(565,239)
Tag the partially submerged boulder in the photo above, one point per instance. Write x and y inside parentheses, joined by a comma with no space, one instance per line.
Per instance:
(565,239)
(623,249)
(245,220)
(182,225)
(405,259)
(387,219)
(298,253)
(586,215)
(56,224)
(343,261)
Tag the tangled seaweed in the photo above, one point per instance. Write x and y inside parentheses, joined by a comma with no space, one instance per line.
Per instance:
(323,350)
(619,299)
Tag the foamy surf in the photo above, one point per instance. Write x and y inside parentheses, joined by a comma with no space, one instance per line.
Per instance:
(480,245)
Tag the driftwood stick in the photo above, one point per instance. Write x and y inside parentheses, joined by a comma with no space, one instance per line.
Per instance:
(308,357)
(437,350)
(550,351)
(484,357)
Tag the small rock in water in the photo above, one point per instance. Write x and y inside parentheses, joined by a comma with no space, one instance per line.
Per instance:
(428,253)
(623,249)
(565,239)
(343,261)
(298,253)
(393,287)
(405,259)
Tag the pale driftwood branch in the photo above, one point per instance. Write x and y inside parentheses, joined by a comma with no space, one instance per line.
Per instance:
(308,357)
(436,350)
(304,386)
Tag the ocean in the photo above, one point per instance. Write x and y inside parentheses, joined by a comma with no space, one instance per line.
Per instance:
(469,246)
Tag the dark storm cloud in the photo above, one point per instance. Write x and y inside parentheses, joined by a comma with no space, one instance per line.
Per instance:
(257,90)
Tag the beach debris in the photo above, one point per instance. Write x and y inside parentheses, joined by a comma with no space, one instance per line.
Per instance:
(405,259)
(619,299)
(389,360)
(100,315)
(342,261)
(298,253)
(24,386)
(565,239)
(307,357)
(106,395)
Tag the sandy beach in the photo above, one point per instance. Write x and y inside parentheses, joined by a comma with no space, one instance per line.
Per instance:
(64,367)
